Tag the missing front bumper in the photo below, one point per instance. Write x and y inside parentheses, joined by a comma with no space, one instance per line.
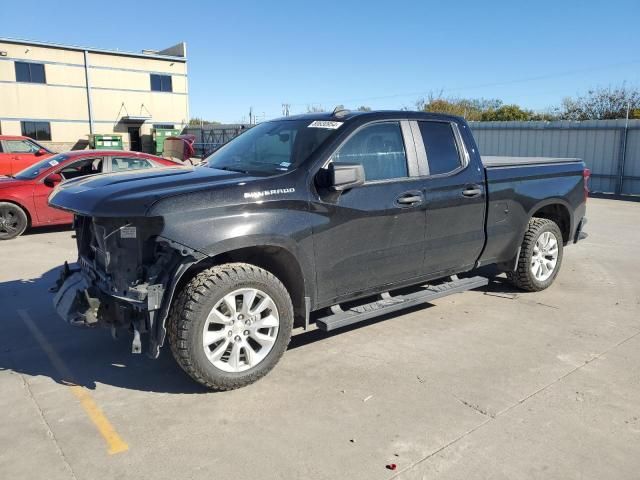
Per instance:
(74,303)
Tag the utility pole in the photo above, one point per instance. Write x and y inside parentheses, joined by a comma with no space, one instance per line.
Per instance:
(250,115)
(623,160)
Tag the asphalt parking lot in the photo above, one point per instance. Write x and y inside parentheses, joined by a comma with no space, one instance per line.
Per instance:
(492,383)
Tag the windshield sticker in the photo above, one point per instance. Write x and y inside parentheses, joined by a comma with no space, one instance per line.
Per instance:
(325,124)
(268,193)
(128,232)
(53,163)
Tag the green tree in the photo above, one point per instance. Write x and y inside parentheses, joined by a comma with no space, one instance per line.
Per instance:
(603,104)
(506,113)
(471,109)
(197,121)
(481,109)
(364,108)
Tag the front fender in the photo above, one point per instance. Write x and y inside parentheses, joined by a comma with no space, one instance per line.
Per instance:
(193,258)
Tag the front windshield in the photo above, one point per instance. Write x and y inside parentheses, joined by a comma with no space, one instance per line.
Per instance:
(272,147)
(37,168)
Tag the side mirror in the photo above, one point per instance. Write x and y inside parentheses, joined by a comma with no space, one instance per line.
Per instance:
(52,179)
(41,151)
(343,176)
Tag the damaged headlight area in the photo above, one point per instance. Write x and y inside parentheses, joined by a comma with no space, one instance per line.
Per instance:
(124,271)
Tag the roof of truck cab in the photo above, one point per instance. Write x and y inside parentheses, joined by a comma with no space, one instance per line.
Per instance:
(346,115)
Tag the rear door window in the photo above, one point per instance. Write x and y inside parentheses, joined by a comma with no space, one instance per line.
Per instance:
(379,148)
(123,164)
(441,147)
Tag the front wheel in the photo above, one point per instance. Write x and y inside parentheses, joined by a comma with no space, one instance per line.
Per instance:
(540,256)
(230,325)
(13,221)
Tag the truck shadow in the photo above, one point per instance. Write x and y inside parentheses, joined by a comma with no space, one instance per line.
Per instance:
(38,345)
(47,229)
(497,285)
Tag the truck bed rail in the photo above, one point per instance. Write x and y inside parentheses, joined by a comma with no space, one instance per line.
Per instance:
(496,161)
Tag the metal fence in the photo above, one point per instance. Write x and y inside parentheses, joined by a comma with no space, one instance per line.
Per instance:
(211,137)
(610,148)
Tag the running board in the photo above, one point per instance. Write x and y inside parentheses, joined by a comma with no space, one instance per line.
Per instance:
(341,318)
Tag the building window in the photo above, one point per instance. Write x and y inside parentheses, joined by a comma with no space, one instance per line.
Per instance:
(30,72)
(36,130)
(164,126)
(161,83)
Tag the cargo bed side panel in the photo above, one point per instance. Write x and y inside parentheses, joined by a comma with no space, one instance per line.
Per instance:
(515,193)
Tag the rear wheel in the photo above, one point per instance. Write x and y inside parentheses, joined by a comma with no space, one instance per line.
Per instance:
(13,221)
(540,256)
(230,325)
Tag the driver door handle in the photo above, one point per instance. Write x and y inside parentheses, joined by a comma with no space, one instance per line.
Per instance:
(409,199)
(472,191)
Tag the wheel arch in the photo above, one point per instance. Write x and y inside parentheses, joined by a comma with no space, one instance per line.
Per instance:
(558,211)
(276,259)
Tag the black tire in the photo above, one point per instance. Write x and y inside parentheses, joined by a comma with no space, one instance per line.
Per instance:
(193,304)
(13,221)
(523,276)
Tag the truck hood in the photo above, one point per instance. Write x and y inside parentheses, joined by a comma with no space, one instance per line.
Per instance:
(132,193)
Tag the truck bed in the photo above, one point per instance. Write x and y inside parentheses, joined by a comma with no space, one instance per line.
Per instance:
(515,186)
(495,161)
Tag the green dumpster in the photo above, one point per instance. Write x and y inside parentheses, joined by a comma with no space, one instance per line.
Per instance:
(159,135)
(105,142)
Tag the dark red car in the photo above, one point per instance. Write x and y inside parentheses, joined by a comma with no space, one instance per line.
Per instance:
(23,196)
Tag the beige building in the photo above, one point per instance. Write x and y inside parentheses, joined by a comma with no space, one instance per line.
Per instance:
(60,94)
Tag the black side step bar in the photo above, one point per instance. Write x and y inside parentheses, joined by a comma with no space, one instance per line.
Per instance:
(341,318)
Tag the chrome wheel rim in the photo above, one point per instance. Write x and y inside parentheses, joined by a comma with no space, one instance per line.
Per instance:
(545,256)
(10,223)
(240,330)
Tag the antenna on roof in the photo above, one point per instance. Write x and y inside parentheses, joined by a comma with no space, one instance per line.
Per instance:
(339,111)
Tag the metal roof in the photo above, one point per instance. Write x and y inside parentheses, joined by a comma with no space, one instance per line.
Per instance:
(157,56)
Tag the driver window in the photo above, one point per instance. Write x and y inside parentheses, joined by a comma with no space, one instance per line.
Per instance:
(21,146)
(379,148)
(89,166)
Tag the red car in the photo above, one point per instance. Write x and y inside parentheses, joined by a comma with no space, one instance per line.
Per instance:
(23,197)
(18,153)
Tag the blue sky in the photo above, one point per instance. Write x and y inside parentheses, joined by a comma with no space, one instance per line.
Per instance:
(384,54)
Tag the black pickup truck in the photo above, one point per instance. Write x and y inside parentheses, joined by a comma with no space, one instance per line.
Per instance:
(328,218)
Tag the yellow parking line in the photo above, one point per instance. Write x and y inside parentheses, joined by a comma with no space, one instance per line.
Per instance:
(114,441)
(116,444)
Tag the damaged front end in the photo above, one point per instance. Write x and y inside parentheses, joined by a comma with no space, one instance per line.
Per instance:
(124,278)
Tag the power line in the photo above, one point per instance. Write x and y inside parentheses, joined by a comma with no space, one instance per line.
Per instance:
(471,87)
